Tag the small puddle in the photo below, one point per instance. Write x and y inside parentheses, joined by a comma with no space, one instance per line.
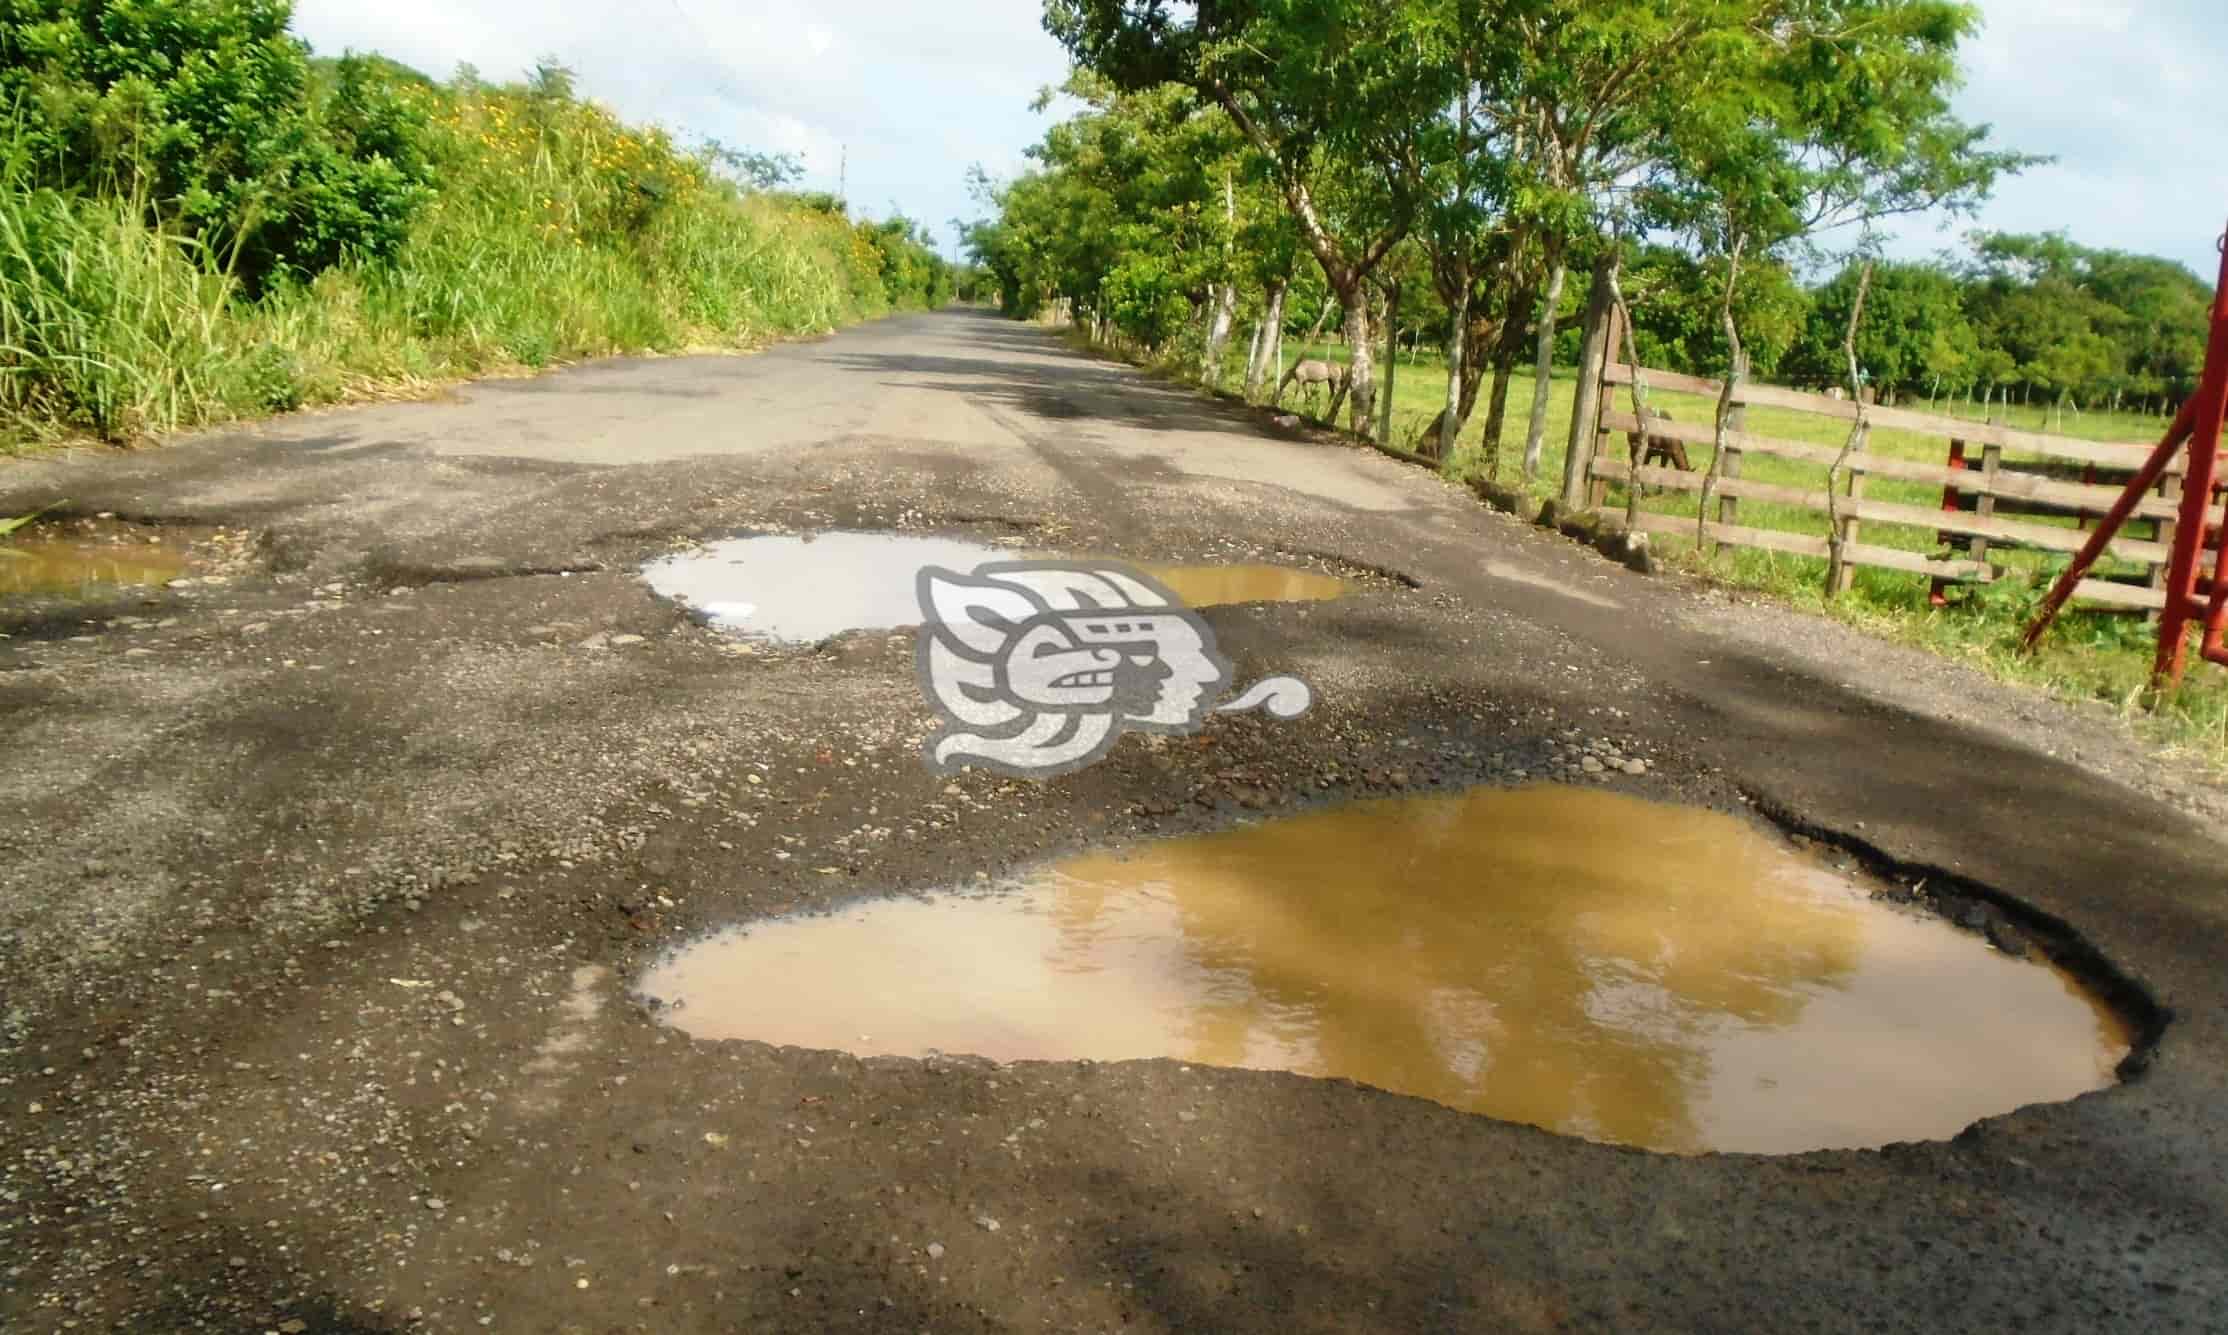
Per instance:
(1224,586)
(1615,969)
(78,559)
(808,587)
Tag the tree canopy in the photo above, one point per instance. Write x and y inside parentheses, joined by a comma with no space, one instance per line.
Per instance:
(1484,148)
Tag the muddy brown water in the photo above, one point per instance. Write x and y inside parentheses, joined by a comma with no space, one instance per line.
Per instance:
(1227,585)
(66,563)
(808,587)
(1578,960)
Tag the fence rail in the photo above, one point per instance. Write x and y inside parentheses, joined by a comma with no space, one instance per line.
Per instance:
(2110,454)
(1967,517)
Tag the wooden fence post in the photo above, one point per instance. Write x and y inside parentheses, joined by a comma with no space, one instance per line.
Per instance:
(1595,351)
(1952,502)
(2169,487)
(1729,507)
(1991,461)
(1612,338)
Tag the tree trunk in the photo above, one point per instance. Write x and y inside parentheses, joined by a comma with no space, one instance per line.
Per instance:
(1535,433)
(1838,573)
(1361,380)
(1497,409)
(1736,371)
(1218,332)
(1506,348)
(1392,363)
(1477,345)
(1322,317)
(1268,332)
(1275,357)
(1449,424)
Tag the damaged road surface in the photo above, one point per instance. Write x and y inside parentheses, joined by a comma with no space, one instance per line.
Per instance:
(330,875)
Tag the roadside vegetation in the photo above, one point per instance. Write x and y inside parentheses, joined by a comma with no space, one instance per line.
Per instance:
(1423,192)
(199,222)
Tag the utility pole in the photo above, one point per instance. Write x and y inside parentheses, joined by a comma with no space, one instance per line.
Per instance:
(843,174)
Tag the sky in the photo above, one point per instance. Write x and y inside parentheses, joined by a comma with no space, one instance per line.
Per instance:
(900,97)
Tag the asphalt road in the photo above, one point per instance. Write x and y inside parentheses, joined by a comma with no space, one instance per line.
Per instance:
(322,886)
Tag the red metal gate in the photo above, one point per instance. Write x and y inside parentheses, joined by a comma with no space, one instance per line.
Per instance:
(2192,592)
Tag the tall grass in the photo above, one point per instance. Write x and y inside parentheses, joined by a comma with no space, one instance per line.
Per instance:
(557,233)
(105,324)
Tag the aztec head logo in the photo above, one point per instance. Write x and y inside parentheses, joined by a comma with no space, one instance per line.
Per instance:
(1037,667)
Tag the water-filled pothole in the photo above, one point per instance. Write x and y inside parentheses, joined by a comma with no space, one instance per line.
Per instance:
(78,557)
(1247,582)
(807,587)
(1590,963)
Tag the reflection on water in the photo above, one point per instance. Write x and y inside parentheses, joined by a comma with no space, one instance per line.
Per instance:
(808,587)
(1221,586)
(811,586)
(1582,961)
(52,565)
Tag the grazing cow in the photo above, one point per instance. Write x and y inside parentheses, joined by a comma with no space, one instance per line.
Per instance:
(1664,448)
(1330,375)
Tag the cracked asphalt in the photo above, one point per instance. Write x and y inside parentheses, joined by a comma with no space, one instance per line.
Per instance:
(324,877)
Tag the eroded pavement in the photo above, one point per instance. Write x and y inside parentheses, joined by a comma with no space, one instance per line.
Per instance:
(324,882)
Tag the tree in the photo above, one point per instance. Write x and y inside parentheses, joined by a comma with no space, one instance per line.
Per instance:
(753,169)
(1675,296)
(208,113)
(1743,124)
(1914,329)
(1332,95)
(1509,141)
(1571,98)
(2085,323)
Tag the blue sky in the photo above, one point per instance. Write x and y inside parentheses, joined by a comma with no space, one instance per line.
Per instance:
(2123,92)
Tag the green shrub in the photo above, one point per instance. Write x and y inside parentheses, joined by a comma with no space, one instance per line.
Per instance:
(270,379)
(1146,300)
(203,110)
(544,229)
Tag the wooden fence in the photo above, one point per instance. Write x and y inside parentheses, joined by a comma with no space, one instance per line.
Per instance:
(1989,473)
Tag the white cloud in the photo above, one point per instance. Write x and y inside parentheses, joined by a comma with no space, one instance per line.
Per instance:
(910,93)
(2117,92)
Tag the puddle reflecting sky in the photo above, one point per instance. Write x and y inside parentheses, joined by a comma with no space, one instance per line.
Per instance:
(804,588)
(1583,961)
(807,587)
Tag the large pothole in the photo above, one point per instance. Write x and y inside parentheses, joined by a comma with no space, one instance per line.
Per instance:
(77,558)
(805,588)
(1595,964)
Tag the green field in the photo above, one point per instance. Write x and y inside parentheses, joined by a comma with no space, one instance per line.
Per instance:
(2091,654)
